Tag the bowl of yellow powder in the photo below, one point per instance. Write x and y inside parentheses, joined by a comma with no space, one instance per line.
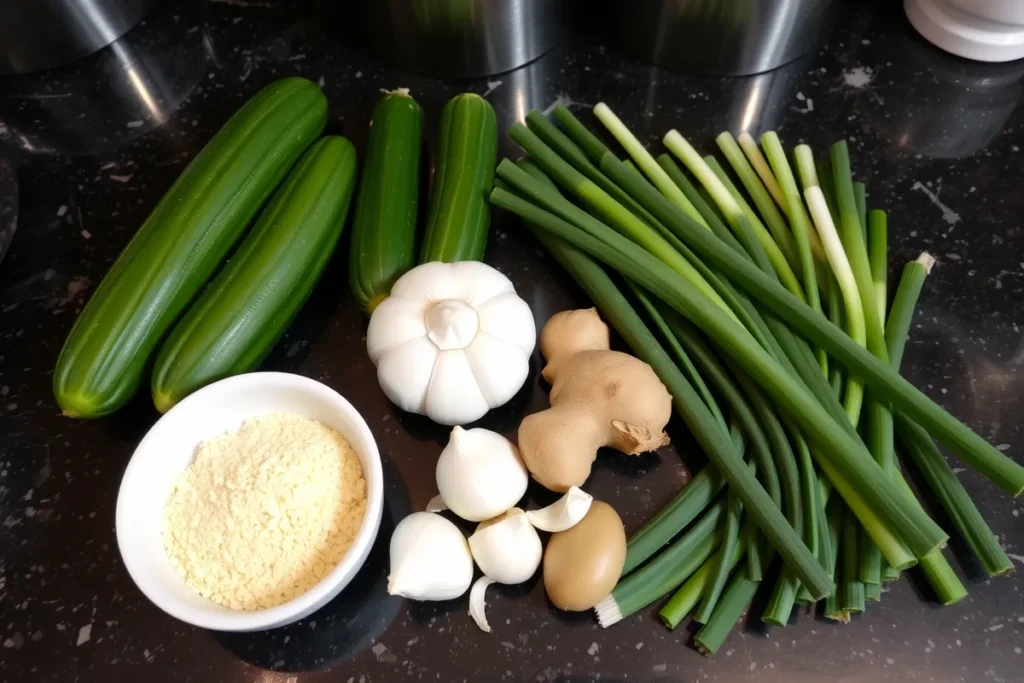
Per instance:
(252,503)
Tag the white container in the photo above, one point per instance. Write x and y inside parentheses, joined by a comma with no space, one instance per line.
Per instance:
(983,30)
(169,448)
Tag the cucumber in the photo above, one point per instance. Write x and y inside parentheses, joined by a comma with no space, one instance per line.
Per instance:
(181,243)
(384,226)
(459,210)
(244,311)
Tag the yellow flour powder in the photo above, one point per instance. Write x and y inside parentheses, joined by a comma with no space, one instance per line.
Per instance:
(264,513)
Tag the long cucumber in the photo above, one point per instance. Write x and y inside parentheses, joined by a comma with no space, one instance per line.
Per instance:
(384,226)
(181,243)
(459,210)
(249,305)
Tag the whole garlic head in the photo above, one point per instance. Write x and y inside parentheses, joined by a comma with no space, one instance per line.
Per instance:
(452,341)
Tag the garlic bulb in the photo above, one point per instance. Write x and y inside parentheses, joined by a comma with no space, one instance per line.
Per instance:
(480,474)
(430,559)
(564,513)
(507,548)
(452,341)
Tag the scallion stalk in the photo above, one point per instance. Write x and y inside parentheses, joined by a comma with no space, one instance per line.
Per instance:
(569,151)
(730,208)
(720,572)
(860,193)
(689,594)
(919,445)
(798,219)
(851,590)
(734,600)
(943,580)
(666,571)
(615,213)
(854,309)
(644,160)
(580,134)
(765,172)
(766,208)
(877,257)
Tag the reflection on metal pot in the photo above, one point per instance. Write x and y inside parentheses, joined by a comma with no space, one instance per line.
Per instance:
(131,86)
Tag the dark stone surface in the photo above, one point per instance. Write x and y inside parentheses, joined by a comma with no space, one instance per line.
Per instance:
(936,140)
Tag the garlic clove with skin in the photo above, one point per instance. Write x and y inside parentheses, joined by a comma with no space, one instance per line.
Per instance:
(480,474)
(564,513)
(477,606)
(430,559)
(507,548)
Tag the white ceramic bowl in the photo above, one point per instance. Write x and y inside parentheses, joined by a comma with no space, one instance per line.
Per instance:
(169,448)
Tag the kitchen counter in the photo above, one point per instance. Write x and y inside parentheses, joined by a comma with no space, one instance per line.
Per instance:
(937,140)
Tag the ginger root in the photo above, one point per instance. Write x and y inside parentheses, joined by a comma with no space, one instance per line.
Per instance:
(598,398)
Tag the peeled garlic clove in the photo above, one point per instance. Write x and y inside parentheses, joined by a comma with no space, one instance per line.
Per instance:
(477,604)
(507,548)
(564,513)
(436,504)
(430,559)
(480,474)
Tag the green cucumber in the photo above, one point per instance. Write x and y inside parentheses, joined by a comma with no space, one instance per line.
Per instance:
(384,226)
(247,308)
(459,210)
(181,243)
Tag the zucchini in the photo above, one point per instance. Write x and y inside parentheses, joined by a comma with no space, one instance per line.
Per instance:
(459,209)
(249,305)
(181,243)
(384,226)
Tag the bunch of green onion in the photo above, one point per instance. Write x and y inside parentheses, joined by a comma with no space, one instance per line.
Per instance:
(763,308)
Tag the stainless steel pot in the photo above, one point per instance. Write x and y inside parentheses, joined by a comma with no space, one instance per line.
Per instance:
(461,38)
(720,37)
(42,34)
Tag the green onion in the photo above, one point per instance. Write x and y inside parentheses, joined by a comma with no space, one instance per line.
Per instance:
(953,496)
(851,590)
(689,594)
(728,204)
(798,219)
(834,513)
(734,600)
(720,573)
(665,572)
(580,134)
(855,325)
(601,202)
(568,150)
(645,161)
(755,500)
(919,445)
(877,247)
(873,591)
(764,171)
(935,567)
(762,200)
(860,194)
(889,385)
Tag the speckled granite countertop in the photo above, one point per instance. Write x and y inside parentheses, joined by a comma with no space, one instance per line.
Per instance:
(937,141)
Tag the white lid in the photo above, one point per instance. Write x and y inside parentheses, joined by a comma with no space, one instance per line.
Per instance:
(964,34)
